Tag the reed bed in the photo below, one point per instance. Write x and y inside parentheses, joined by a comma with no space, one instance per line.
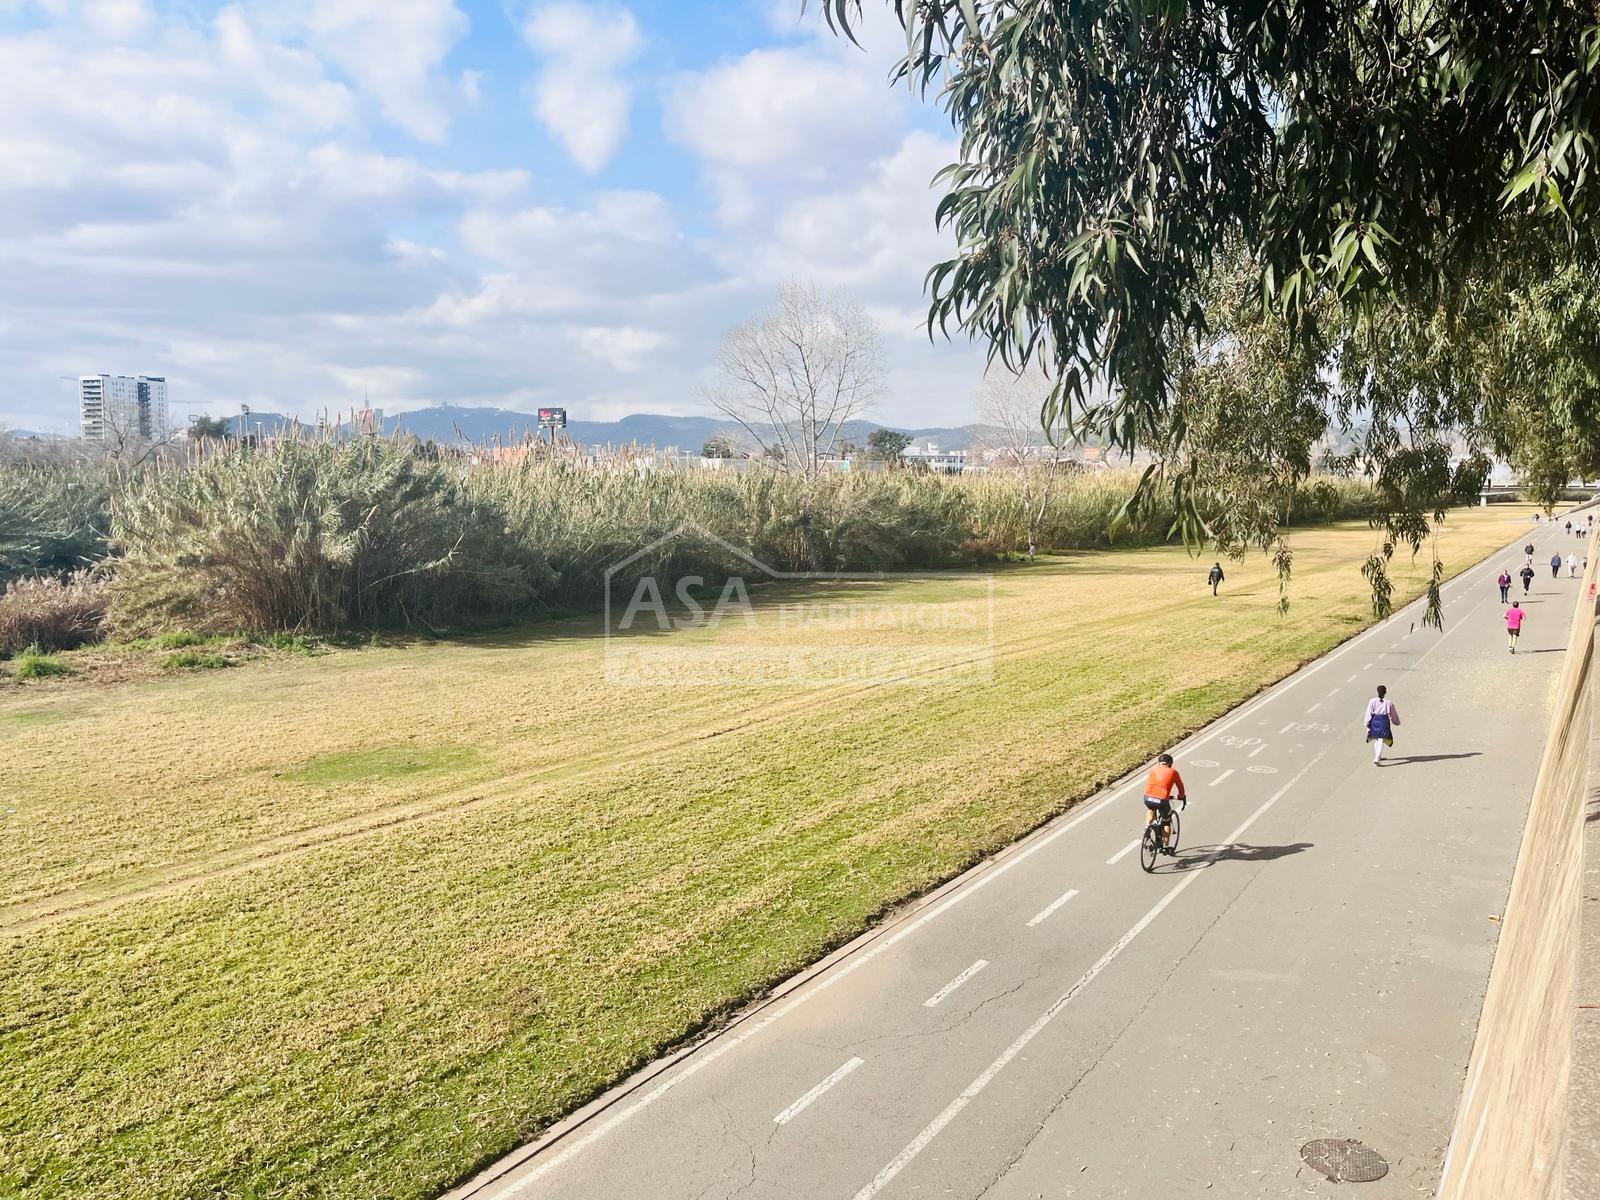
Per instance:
(325,535)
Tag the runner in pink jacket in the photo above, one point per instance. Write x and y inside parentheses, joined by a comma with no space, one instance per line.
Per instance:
(1515,615)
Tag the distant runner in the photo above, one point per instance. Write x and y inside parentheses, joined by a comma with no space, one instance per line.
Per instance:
(1382,717)
(1527,578)
(1572,565)
(1515,615)
(1504,583)
(1158,795)
(1214,577)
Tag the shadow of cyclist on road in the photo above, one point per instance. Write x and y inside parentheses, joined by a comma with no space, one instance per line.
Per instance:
(1192,858)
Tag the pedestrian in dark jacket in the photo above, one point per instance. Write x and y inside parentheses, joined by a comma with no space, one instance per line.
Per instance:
(1215,577)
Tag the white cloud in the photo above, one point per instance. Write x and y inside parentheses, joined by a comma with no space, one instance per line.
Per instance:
(580,95)
(393,50)
(218,208)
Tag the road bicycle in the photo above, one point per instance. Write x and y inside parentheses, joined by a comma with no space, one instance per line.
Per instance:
(1155,834)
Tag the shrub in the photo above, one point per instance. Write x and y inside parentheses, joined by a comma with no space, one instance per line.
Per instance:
(180,639)
(53,519)
(34,663)
(311,535)
(52,614)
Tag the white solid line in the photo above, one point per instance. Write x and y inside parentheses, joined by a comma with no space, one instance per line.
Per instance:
(1226,773)
(971,1091)
(1314,708)
(1120,854)
(1256,751)
(934,999)
(965,891)
(1286,728)
(805,1102)
(1058,902)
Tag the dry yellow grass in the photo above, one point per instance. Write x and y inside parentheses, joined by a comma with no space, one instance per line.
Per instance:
(347,926)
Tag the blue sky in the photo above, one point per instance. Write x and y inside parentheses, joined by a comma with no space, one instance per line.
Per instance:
(292,203)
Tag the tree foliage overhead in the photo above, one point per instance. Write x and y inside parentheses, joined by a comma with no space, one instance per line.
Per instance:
(1375,169)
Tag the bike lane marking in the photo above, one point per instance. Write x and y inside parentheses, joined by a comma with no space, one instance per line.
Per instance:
(933,1000)
(735,1037)
(1055,904)
(806,1101)
(971,1092)
(1123,853)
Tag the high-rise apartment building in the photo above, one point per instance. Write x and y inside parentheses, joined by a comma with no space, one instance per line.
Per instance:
(122,408)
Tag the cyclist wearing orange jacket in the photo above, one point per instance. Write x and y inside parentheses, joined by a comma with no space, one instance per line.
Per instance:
(1158,794)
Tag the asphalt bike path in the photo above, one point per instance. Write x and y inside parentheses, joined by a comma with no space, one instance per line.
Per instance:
(1057,1022)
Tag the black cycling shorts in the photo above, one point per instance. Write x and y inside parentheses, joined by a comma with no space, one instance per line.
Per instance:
(1162,808)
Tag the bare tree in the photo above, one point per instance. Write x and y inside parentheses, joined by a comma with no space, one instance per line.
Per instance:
(796,374)
(1017,439)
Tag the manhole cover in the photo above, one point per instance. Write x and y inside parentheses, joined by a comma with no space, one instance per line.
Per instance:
(1344,1160)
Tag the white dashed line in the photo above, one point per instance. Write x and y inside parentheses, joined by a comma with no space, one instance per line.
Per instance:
(1354,677)
(1118,856)
(1221,777)
(933,1000)
(919,1143)
(1058,902)
(1286,728)
(805,1102)
(1256,751)
(1314,708)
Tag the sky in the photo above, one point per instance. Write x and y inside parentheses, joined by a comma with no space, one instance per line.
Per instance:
(296,204)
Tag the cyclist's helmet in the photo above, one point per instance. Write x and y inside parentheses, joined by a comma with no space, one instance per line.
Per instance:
(1165,760)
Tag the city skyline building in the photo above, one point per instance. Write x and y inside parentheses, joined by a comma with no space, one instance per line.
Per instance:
(121,408)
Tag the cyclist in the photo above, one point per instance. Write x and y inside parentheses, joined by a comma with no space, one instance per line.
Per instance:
(1158,796)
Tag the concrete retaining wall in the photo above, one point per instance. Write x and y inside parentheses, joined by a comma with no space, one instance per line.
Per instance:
(1509,1138)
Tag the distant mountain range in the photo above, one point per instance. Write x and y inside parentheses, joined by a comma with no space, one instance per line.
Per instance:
(450,423)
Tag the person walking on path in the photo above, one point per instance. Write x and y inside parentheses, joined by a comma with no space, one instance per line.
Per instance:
(1214,577)
(1382,717)
(1569,528)
(1527,578)
(1572,565)
(1555,565)
(1504,584)
(1515,615)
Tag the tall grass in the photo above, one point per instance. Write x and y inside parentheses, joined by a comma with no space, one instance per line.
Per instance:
(326,535)
(50,614)
(310,535)
(53,519)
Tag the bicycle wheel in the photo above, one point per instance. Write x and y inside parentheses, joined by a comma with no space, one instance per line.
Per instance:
(1149,847)
(1172,845)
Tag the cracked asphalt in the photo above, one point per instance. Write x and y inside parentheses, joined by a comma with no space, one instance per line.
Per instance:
(1310,965)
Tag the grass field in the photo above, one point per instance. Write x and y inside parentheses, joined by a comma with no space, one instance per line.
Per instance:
(347,926)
